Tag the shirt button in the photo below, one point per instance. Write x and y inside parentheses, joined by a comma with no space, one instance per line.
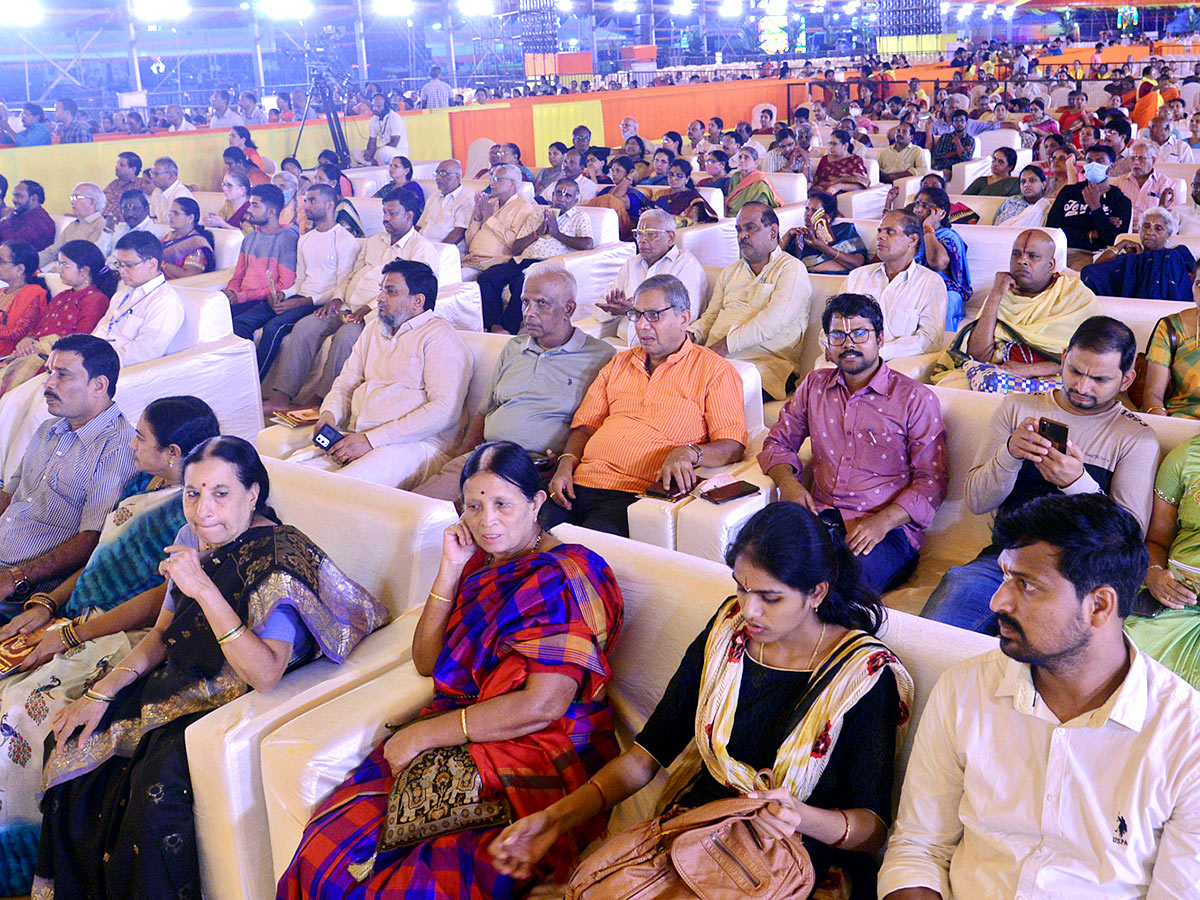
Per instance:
(1059,732)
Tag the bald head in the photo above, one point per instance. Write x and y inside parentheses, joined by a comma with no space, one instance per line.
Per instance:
(1032,264)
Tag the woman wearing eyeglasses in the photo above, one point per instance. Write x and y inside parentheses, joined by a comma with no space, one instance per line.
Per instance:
(681,199)
(235,185)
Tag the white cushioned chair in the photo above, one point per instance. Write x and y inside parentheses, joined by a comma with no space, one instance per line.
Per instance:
(669,598)
(205,360)
(390,543)
(963,173)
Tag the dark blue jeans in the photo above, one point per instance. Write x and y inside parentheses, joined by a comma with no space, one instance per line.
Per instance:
(964,595)
(255,314)
(890,563)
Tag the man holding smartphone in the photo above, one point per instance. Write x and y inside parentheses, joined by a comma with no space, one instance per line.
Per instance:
(1109,450)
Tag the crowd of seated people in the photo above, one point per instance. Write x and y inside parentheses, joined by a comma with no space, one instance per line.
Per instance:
(574,429)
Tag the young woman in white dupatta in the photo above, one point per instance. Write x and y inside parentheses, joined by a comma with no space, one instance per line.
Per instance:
(787,676)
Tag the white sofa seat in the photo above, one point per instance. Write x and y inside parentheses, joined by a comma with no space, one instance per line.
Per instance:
(205,360)
(390,543)
(606,227)
(595,270)
(669,598)
(370,213)
(963,173)
(791,187)
(227,244)
(983,205)
(990,141)
(366,180)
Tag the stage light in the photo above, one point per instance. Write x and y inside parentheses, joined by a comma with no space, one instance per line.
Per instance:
(1008,12)
(964,12)
(683,7)
(473,8)
(730,9)
(25,14)
(285,9)
(566,7)
(394,7)
(161,10)
(625,6)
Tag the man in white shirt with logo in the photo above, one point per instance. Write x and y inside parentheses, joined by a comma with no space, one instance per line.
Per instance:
(656,255)
(342,318)
(144,317)
(912,297)
(388,136)
(573,170)
(1066,763)
(448,212)
(167,189)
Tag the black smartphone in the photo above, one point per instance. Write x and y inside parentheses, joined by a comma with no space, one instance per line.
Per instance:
(1054,432)
(545,464)
(659,492)
(327,436)
(727,492)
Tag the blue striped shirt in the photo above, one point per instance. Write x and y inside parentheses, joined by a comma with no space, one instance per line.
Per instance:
(68,482)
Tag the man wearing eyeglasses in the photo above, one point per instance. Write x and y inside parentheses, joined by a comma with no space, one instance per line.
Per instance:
(497,222)
(146,313)
(656,255)
(135,216)
(656,412)
(573,170)
(447,213)
(564,229)
(878,446)
(759,306)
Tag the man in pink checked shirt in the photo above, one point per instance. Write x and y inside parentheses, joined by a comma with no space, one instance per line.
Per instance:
(878,445)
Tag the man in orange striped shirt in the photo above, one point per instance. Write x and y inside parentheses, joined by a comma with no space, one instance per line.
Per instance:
(655,412)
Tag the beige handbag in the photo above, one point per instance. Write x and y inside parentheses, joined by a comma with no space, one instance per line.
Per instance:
(712,852)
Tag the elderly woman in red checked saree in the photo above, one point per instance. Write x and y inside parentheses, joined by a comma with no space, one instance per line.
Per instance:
(516,634)
(788,676)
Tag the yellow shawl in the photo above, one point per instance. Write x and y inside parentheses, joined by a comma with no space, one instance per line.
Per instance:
(1047,320)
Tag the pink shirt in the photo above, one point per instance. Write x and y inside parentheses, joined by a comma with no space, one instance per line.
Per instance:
(885,444)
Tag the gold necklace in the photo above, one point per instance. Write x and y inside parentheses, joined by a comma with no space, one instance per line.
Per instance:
(762,649)
(490,558)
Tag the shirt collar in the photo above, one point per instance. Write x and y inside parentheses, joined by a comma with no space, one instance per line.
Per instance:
(454,194)
(93,429)
(670,256)
(403,242)
(573,344)
(689,346)
(1127,705)
(774,258)
(880,383)
(142,290)
(92,218)
(421,318)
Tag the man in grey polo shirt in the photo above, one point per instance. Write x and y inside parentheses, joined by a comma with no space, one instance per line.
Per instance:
(52,509)
(539,380)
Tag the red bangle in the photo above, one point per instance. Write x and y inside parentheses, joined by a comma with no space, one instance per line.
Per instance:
(846,833)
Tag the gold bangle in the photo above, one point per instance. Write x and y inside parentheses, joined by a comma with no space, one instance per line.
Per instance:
(563,456)
(846,833)
(93,694)
(136,673)
(600,791)
(1149,409)
(43,600)
(441,598)
(232,635)
(69,637)
(462,718)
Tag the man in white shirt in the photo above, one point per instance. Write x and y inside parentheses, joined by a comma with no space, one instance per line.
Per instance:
(759,305)
(388,136)
(167,188)
(222,116)
(342,317)
(143,319)
(656,255)
(1065,763)
(448,212)
(251,111)
(1189,212)
(573,170)
(1144,186)
(564,229)
(325,257)
(912,297)
(1170,148)
(135,216)
(400,398)
(176,119)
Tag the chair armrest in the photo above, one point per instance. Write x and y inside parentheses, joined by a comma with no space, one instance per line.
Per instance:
(706,529)
(306,758)
(918,368)
(277,441)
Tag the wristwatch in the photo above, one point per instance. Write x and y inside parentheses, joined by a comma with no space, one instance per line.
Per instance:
(21,586)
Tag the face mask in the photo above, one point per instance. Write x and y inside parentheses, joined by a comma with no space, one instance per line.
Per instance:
(1095,172)
(855,111)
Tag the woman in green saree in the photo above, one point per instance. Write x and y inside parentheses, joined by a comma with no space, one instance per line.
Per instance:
(748,185)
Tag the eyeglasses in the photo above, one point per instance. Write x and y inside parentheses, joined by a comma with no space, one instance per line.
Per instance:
(441,173)
(857,336)
(649,233)
(650,315)
(128,265)
(228,184)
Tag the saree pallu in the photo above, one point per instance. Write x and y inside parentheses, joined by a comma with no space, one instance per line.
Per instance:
(832,171)
(682,203)
(347,216)
(561,611)
(627,209)
(118,810)
(1164,274)
(177,251)
(957,276)
(1183,364)
(744,189)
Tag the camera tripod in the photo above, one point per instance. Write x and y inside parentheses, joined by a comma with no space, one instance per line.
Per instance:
(324,93)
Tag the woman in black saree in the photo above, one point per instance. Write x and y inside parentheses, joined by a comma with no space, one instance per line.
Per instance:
(247,600)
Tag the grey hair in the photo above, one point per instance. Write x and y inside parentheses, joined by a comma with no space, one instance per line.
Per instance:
(1166,215)
(451,164)
(93,192)
(167,163)
(555,272)
(510,172)
(749,148)
(1149,145)
(658,217)
(670,286)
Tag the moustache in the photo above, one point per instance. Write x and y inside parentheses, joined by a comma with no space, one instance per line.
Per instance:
(50,395)
(1010,623)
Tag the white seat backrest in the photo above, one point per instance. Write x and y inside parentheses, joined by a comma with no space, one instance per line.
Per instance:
(367,180)
(449,270)
(823,287)
(606,227)
(60,223)
(227,244)
(790,216)
(990,141)
(1188,94)
(370,213)
(394,568)
(206,318)
(715,199)
(425,168)
(1140,315)
(1186,171)
(485,351)
(1058,97)
(752,396)
(793,188)
(985,206)
(714,244)
(209,201)
(477,156)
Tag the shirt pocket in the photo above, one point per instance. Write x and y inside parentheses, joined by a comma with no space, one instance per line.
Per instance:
(678,418)
(881,443)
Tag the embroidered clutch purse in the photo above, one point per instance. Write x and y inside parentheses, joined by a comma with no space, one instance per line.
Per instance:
(440,792)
